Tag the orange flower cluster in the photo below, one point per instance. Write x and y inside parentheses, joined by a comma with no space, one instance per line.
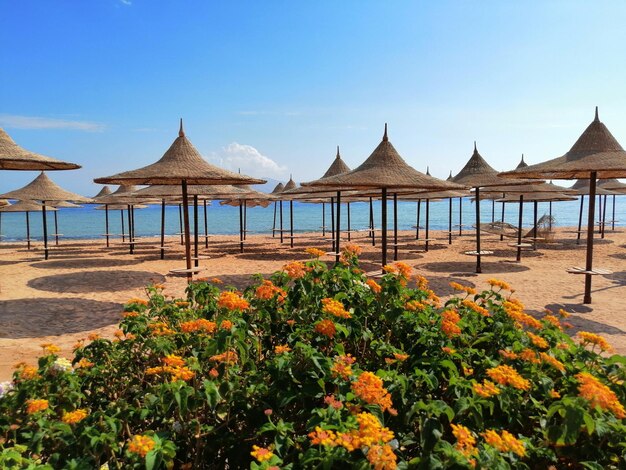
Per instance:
(326,327)
(261,453)
(315,252)
(232,301)
(504,442)
(141,445)
(268,290)
(382,457)
(182,303)
(563,313)
(173,360)
(538,340)
(137,301)
(93,336)
(553,321)
(34,406)
(475,307)
(448,350)
(465,441)
(280,349)
(226,325)
(323,437)
(486,389)
(28,372)
(228,357)
(515,311)
(449,320)
(130,314)
(529,355)
(599,395)
(554,362)
(461,288)
(497,283)
(369,388)
(433,299)
(73,417)
(506,375)
(331,401)
(374,286)
(84,363)
(295,269)
(50,348)
(506,354)
(414,306)
(160,329)
(351,250)
(421,281)
(554,394)
(596,340)
(334,307)
(342,366)
(180,372)
(201,324)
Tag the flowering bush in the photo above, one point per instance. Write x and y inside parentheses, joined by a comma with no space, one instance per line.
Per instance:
(322,368)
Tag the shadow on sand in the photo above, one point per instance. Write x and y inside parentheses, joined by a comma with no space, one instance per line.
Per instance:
(83,263)
(95,281)
(54,316)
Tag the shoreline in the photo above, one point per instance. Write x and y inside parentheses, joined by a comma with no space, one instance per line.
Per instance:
(82,287)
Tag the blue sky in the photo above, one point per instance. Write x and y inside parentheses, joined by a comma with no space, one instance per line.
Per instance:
(273,86)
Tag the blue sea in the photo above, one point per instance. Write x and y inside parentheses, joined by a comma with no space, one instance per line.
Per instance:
(86,222)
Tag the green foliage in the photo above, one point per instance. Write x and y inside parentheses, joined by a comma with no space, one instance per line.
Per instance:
(321,368)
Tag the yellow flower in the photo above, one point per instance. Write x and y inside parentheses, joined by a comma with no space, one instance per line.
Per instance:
(342,366)
(374,286)
(599,395)
(50,348)
(280,349)
(295,269)
(84,363)
(334,307)
(141,445)
(369,388)
(475,307)
(228,357)
(232,301)
(465,440)
(314,252)
(558,365)
(448,350)
(261,453)
(486,389)
(322,437)
(73,417)
(467,289)
(506,375)
(497,283)
(505,442)
(538,340)
(34,406)
(595,340)
(173,360)
(414,306)
(382,457)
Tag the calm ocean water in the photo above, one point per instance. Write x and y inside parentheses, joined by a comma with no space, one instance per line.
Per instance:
(86,222)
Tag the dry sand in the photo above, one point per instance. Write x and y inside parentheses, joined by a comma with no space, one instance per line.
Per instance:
(83,285)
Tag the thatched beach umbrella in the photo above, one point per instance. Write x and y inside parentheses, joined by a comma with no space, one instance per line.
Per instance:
(386,170)
(477,173)
(27,207)
(14,157)
(44,190)
(596,154)
(291,185)
(617,187)
(582,188)
(277,190)
(105,191)
(181,165)
(60,205)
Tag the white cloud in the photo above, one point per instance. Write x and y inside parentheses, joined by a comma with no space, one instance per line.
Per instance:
(34,122)
(249,160)
(126,2)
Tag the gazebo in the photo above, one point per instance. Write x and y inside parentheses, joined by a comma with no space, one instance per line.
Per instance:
(596,154)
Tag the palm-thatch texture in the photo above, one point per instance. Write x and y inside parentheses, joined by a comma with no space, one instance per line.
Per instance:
(25,206)
(477,173)
(595,150)
(14,157)
(43,188)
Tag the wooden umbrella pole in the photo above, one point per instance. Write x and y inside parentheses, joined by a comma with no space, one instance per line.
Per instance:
(186,231)
(372,228)
(427,222)
(241,228)
(131,238)
(478,267)
(180,222)
(56,229)
(122,219)
(195,230)
(460,216)
(45,230)
(590,227)
(519,228)
(450,222)
(206,226)
(550,215)
(27,230)
(395,226)
(332,223)
(281,220)
(274,223)
(291,223)
(417,223)
(384,227)
(580,218)
(604,216)
(493,211)
(599,214)
(323,219)
(535,203)
(162,228)
(245,219)
(613,216)
(338,227)
(501,234)
(106,223)
(349,225)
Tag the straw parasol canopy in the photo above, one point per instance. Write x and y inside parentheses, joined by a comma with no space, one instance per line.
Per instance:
(105,191)
(278,188)
(521,164)
(25,206)
(181,165)
(337,167)
(65,205)
(43,188)
(207,191)
(14,157)
(583,187)
(595,150)
(613,185)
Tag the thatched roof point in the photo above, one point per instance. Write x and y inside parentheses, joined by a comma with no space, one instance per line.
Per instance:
(278,189)
(522,164)
(385,138)
(337,167)
(597,118)
(338,156)
(291,184)
(428,171)
(181,131)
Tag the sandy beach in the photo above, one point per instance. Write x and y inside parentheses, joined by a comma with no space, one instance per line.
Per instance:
(82,287)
